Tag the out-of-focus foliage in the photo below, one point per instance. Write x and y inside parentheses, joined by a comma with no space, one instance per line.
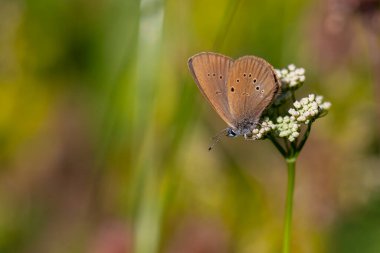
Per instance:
(104,135)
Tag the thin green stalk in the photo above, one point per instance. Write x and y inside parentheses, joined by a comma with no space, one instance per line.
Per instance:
(293,96)
(304,139)
(277,145)
(291,162)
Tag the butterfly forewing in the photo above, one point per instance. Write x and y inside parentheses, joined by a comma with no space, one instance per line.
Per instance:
(252,86)
(210,71)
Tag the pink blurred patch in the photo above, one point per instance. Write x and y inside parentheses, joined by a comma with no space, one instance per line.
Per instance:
(111,237)
(194,236)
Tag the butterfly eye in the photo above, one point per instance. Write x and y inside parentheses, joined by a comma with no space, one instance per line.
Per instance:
(232,89)
(231,133)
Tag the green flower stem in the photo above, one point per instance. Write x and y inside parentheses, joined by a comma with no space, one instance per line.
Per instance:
(291,162)
(304,138)
(277,145)
(293,96)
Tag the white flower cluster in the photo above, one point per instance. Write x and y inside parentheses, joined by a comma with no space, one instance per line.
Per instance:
(288,127)
(305,111)
(291,77)
(265,127)
(309,108)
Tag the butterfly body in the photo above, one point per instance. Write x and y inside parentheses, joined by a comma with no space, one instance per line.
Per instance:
(245,126)
(239,90)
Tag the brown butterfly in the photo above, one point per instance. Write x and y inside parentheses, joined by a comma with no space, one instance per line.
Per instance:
(239,90)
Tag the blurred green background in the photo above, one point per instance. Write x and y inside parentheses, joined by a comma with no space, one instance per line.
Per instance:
(104,134)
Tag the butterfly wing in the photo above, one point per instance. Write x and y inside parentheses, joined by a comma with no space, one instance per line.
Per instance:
(252,85)
(210,72)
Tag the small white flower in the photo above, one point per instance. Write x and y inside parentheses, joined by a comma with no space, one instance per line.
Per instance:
(319,99)
(325,105)
(300,71)
(292,67)
(301,118)
(304,101)
(293,112)
(291,77)
(284,71)
(297,104)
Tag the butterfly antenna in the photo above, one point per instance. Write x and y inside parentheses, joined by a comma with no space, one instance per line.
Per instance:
(217,138)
